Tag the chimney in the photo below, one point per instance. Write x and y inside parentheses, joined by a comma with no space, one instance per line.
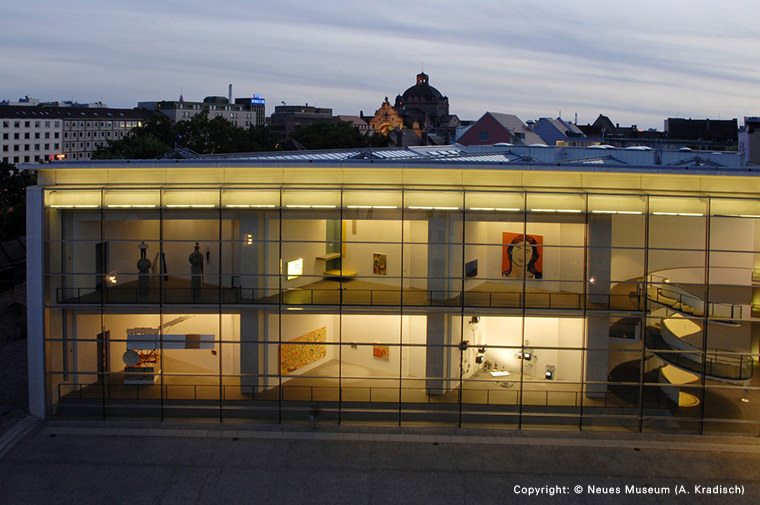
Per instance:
(229,92)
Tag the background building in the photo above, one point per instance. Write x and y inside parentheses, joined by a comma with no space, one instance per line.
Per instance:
(29,134)
(441,285)
(86,129)
(422,109)
(495,127)
(287,118)
(749,140)
(242,112)
(35,133)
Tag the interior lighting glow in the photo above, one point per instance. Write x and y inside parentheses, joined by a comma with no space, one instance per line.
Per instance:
(384,207)
(249,239)
(499,373)
(83,206)
(359,206)
(297,206)
(631,212)
(507,209)
(697,214)
(295,268)
(131,206)
(482,208)
(235,206)
(567,211)
(323,206)
(420,208)
(755,216)
(446,208)
(665,213)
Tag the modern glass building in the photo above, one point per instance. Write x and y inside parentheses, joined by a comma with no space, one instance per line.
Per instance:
(392,287)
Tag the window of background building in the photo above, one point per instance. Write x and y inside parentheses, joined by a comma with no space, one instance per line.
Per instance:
(6,124)
(16,136)
(5,136)
(27,124)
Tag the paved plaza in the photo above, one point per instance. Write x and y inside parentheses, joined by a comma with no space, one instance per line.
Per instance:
(124,463)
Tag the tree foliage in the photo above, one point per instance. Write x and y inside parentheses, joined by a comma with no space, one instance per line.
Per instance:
(13,183)
(200,134)
(334,135)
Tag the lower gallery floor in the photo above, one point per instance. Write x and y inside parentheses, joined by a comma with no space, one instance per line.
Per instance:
(415,369)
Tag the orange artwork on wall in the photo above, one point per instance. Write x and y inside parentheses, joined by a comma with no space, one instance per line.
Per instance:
(382,352)
(303,350)
(522,256)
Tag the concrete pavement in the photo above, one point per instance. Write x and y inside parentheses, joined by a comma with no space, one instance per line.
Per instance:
(115,463)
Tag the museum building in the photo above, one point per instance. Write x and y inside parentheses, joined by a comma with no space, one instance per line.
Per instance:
(481,288)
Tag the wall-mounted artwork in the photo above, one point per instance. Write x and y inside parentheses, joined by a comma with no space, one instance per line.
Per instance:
(522,256)
(379,264)
(303,350)
(471,268)
(382,352)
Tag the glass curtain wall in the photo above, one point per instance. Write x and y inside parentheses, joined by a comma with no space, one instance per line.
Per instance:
(459,308)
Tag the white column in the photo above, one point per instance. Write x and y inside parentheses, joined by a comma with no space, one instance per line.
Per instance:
(35,299)
(599,258)
(249,351)
(435,357)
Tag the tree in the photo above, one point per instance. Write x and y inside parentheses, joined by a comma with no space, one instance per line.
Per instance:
(329,135)
(149,141)
(13,183)
(200,134)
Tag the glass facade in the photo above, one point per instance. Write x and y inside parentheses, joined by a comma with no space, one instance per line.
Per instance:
(419,305)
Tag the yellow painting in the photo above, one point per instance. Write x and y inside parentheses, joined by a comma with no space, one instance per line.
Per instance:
(303,350)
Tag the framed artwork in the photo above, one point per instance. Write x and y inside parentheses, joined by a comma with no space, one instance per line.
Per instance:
(303,350)
(379,264)
(471,268)
(522,256)
(382,352)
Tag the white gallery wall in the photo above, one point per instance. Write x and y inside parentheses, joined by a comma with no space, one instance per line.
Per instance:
(547,336)
(363,330)
(179,361)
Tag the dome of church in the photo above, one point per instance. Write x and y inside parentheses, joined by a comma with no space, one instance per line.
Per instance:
(422,90)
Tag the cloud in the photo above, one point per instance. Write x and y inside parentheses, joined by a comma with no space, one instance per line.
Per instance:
(637,63)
